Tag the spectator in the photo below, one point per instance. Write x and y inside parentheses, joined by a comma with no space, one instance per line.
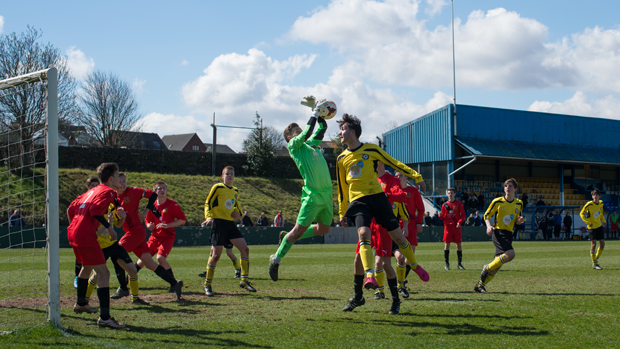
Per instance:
(481,201)
(557,225)
(568,222)
(538,222)
(470,220)
(465,199)
(279,220)
(477,220)
(246,221)
(525,199)
(473,201)
(544,225)
(436,220)
(428,221)
(16,219)
(540,202)
(262,220)
(613,221)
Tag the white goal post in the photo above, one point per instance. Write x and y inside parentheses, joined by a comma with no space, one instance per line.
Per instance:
(35,288)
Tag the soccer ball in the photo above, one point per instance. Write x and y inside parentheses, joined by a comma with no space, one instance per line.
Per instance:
(327,109)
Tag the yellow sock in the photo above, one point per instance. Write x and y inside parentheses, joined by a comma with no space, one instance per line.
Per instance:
(497,263)
(599,252)
(401,271)
(379,275)
(210,274)
(235,263)
(489,278)
(593,256)
(368,258)
(408,253)
(91,288)
(245,268)
(133,287)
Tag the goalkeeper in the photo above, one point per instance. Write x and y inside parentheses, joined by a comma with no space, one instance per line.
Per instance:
(316,196)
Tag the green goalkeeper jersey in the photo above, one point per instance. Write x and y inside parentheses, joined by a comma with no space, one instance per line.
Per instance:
(308,157)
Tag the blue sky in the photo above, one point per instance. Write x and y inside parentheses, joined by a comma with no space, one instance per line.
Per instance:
(387,62)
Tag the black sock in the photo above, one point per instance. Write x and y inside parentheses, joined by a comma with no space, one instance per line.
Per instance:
(120,275)
(78,267)
(459,255)
(446,256)
(408,269)
(170,271)
(138,268)
(392,284)
(81,291)
(162,273)
(103,293)
(358,284)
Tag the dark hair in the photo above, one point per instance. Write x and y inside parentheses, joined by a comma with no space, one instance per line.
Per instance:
(353,122)
(288,130)
(513,181)
(451,189)
(91,180)
(596,192)
(106,170)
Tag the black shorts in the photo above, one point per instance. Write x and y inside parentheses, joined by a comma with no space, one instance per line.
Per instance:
(596,234)
(376,206)
(502,239)
(116,251)
(223,231)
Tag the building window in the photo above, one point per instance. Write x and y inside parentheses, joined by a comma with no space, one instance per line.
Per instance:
(195,148)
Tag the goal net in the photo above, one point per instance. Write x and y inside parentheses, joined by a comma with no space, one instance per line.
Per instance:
(29,253)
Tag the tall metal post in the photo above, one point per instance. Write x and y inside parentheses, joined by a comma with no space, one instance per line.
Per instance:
(214,146)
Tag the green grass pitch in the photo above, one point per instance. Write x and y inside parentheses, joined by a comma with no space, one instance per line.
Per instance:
(548,297)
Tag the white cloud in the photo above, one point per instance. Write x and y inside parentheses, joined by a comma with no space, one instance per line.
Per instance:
(435,6)
(184,62)
(235,86)
(1,23)
(79,64)
(579,104)
(138,85)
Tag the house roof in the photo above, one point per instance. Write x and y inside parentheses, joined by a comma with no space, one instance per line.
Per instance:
(177,142)
(143,140)
(221,148)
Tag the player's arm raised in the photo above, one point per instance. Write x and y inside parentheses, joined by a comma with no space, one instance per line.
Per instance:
(400,167)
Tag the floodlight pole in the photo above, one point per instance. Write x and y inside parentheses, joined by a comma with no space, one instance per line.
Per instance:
(453,93)
(214,146)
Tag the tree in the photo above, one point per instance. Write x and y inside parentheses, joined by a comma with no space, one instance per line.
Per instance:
(339,146)
(109,109)
(260,147)
(23,113)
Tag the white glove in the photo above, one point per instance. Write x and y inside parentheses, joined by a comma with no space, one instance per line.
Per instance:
(319,107)
(309,101)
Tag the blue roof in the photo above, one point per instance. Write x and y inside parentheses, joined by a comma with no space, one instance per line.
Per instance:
(539,151)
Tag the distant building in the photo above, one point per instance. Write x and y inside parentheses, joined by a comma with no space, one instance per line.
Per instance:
(76,136)
(327,148)
(140,140)
(221,148)
(184,142)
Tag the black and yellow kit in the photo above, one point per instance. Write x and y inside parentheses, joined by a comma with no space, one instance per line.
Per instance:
(221,202)
(592,214)
(356,173)
(505,212)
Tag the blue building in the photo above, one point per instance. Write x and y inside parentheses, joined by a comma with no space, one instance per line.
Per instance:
(557,158)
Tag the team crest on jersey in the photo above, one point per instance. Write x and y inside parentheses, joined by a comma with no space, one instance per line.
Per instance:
(596,214)
(229,203)
(165,210)
(516,210)
(365,156)
(356,170)
(393,205)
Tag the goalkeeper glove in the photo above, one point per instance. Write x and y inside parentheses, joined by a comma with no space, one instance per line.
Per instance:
(309,101)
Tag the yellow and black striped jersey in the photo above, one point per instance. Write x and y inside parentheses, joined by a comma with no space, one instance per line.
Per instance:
(506,212)
(592,214)
(221,202)
(104,239)
(400,212)
(356,173)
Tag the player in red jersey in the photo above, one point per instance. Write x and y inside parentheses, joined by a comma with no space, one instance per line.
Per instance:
(415,208)
(134,239)
(82,233)
(453,216)
(91,183)
(163,235)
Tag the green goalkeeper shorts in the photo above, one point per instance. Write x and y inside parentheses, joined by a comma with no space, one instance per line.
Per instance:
(316,206)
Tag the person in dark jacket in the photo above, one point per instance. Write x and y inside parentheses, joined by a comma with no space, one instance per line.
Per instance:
(568,222)
(262,220)
(246,221)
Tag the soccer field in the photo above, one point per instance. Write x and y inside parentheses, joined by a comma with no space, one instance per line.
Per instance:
(549,296)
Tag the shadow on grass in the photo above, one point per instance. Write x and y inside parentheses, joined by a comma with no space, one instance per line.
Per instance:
(460,300)
(273,298)
(533,294)
(190,336)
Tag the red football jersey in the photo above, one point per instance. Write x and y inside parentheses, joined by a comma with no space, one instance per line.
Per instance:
(455,214)
(391,186)
(414,204)
(82,232)
(130,201)
(169,211)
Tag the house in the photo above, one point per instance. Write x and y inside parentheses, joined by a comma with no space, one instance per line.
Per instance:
(140,140)
(327,148)
(221,148)
(184,142)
